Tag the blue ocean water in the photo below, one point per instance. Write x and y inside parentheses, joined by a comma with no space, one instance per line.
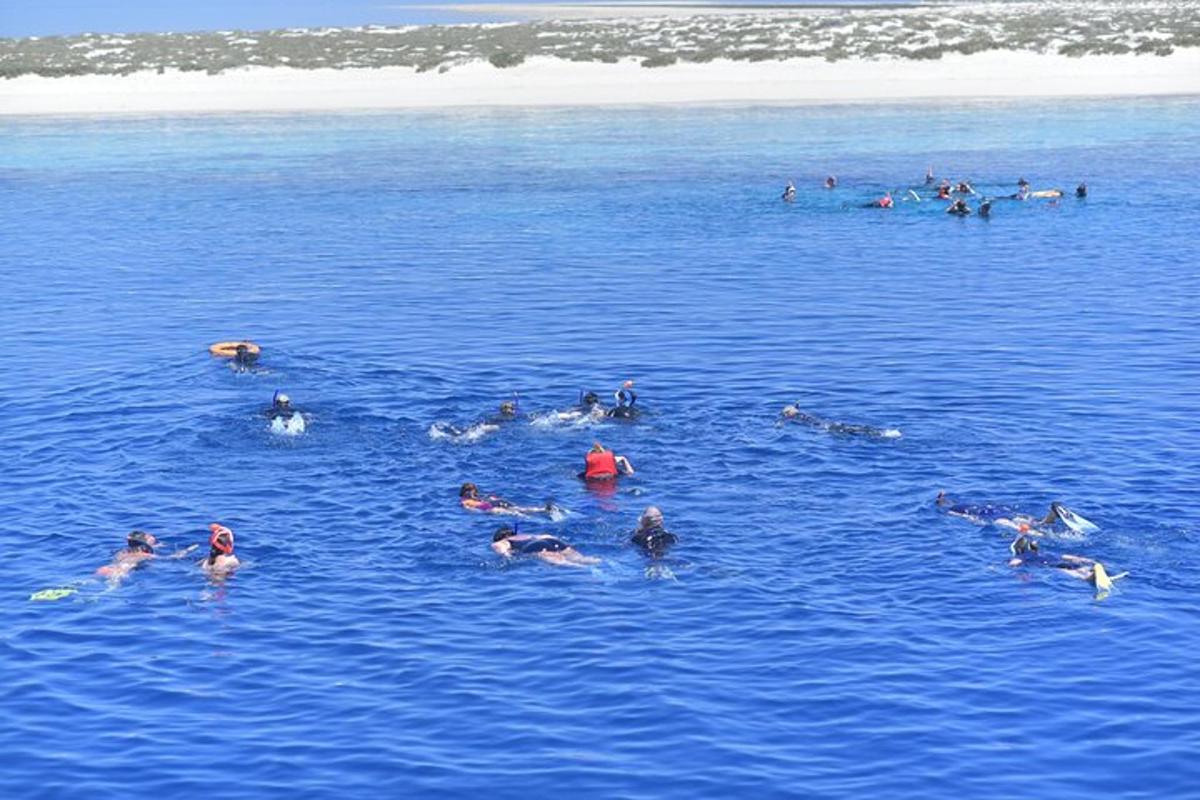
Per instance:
(820,630)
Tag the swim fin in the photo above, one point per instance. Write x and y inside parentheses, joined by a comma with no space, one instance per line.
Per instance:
(1101,579)
(51,594)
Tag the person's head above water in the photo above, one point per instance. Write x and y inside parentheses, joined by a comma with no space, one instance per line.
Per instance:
(221,539)
(790,411)
(1081,190)
(508,408)
(282,400)
(1022,182)
(591,399)
(1023,544)
(597,448)
(503,533)
(468,490)
(830,182)
(943,499)
(140,542)
(651,518)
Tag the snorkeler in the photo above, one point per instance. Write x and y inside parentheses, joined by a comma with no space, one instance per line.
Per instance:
(943,192)
(985,208)
(789,194)
(831,182)
(1081,190)
(244,358)
(964,188)
(1007,517)
(604,465)
(470,499)
(284,417)
(510,544)
(507,412)
(651,536)
(139,548)
(625,397)
(959,208)
(792,413)
(1026,552)
(281,407)
(883,202)
(221,559)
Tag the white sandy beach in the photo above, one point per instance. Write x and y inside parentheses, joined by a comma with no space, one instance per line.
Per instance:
(551,82)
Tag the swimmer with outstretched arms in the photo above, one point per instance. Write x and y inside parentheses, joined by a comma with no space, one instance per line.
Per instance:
(220,560)
(625,398)
(793,413)
(1026,552)
(651,535)
(604,465)
(510,544)
(139,548)
(470,499)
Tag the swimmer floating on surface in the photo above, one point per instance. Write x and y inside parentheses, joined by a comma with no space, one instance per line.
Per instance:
(470,499)
(793,413)
(507,412)
(139,548)
(1006,517)
(510,544)
(1026,552)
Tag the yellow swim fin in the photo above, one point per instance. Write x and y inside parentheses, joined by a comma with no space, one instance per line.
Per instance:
(51,594)
(1100,578)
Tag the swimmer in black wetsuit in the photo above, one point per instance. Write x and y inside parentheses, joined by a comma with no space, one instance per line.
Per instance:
(793,413)
(929,176)
(985,208)
(651,536)
(1007,517)
(281,408)
(1026,552)
(959,208)
(510,544)
(1081,190)
(625,397)
(244,359)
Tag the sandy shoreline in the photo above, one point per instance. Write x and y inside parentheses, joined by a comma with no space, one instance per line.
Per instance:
(552,82)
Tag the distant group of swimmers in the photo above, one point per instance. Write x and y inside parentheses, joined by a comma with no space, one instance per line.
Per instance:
(954,193)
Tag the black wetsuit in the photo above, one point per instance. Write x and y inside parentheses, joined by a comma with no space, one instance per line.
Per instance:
(835,427)
(534,546)
(624,408)
(654,541)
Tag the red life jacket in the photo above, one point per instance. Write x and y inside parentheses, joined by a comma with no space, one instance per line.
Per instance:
(601,466)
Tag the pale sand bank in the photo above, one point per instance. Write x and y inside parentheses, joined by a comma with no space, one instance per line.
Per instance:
(552,82)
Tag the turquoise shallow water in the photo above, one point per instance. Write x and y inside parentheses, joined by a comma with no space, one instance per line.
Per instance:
(820,631)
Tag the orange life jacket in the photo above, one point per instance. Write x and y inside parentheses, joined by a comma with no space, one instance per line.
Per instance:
(601,465)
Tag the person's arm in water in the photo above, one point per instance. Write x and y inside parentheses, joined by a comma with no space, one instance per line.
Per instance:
(624,465)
